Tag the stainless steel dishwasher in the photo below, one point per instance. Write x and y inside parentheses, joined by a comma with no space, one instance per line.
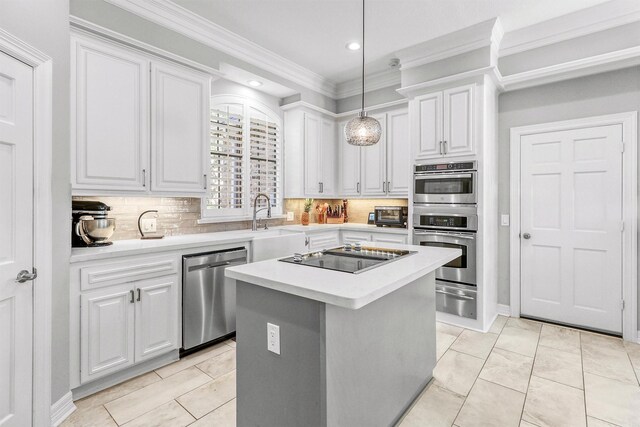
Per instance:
(208,297)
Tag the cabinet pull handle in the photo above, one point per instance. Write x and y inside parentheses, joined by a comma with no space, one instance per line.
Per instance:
(445,147)
(205,181)
(384,187)
(144,177)
(321,187)
(441,153)
(358,188)
(131,300)
(388,186)
(139,295)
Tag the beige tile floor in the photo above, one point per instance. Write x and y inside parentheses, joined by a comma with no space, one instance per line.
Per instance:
(521,373)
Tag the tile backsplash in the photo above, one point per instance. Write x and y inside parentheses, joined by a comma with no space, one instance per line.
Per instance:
(179,215)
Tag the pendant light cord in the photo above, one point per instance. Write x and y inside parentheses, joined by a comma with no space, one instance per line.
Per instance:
(363,56)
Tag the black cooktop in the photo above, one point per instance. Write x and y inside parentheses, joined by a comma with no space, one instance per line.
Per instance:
(348,259)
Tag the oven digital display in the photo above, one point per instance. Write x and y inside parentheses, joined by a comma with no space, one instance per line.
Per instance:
(443,221)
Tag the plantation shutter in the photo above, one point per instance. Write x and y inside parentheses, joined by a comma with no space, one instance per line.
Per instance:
(227,160)
(265,158)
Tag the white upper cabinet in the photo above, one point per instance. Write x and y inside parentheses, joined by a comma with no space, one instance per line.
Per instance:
(349,165)
(444,123)
(374,164)
(398,153)
(179,128)
(319,156)
(139,124)
(110,117)
(458,121)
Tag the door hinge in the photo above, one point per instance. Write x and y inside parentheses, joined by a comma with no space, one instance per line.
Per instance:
(622,305)
(622,146)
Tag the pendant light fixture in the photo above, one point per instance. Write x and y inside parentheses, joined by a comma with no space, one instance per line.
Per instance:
(362,130)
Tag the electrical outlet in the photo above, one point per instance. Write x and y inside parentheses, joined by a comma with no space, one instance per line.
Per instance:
(148,225)
(273,338)
(289,216)
(504,220)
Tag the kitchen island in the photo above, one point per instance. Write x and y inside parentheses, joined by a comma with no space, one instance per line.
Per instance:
(354,349)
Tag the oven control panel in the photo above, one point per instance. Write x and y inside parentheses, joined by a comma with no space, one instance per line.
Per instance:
(443,221)
(443,167)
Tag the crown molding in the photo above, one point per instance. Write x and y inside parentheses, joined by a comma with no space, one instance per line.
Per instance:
(183,21)
(483,34)
(423,87)
(84,27)
(578,24)
(304,104)
(373,82)
(370,108)
(572,69)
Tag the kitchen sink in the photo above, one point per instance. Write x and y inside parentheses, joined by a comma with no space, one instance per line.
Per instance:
(269,244)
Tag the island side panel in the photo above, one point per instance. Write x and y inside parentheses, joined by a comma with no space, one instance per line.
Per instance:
(279,390)
(381,356)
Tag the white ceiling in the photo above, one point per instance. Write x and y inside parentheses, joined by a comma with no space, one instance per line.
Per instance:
(313,33)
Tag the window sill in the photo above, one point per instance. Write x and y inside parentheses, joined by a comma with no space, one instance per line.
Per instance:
(214,220)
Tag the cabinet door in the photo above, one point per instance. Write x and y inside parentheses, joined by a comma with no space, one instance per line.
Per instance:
(458,121)
(156,316)
(429,111)
(389,238)
(398,153)
(374,173)
(319,241)
(329,159)
(312,153)
(179,129)
(110,117)
(349,165)
(106,331)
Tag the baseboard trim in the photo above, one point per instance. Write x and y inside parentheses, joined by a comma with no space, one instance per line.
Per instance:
(504,310)
(61,409)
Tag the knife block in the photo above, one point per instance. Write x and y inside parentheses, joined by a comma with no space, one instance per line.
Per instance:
(335,219)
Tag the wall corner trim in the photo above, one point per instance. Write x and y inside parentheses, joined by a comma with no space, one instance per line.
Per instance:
(61,409)
(504,310)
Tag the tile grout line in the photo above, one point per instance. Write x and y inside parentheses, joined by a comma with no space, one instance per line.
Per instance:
(584,382)
(188,412)
(526,393)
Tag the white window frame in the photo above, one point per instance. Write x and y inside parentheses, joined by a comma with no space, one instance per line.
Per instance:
(246,213)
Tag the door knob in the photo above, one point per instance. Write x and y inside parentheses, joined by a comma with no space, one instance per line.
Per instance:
(526,236)
(25,276)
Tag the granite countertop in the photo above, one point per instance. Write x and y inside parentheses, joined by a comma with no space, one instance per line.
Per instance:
(345,289)
(188,241)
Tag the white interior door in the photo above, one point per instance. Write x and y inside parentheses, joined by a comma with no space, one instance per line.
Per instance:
(571,225)
(16,240)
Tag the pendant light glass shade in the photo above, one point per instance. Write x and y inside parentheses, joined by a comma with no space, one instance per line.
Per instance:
(363,130)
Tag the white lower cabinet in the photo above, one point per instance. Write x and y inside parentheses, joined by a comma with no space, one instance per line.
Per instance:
(354,236)
(156,317)
(323,240)
(390,238)
(107,331)
(126,324)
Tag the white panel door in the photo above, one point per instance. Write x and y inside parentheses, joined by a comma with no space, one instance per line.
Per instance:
(312,154)
(329,159)
(374,164)
(349,165)
(110,117)
(179,129)
(16,240)
(429,110)
(156,317)
(571,212)
(106,331)
(458,121)
(398,153)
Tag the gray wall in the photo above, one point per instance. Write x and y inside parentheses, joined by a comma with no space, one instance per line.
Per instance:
(44,24)
(226,87)
(606,93)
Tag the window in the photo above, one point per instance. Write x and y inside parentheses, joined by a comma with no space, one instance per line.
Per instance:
(246,156)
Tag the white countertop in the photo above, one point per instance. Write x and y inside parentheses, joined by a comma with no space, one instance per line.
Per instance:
(188,241)
(345,289)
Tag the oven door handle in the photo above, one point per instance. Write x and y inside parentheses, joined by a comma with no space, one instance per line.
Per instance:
(438,291)
(436,233)
(441,175)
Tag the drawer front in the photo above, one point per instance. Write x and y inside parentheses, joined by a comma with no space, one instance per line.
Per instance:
(355,236)
(389,238)
(323,241)
(108,274)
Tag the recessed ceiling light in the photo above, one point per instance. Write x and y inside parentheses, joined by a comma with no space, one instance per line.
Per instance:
(353,46)
(254,83)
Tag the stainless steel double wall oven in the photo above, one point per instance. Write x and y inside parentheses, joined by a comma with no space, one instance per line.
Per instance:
(445,215)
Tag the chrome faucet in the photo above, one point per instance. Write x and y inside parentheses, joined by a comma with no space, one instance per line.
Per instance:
(254,224)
